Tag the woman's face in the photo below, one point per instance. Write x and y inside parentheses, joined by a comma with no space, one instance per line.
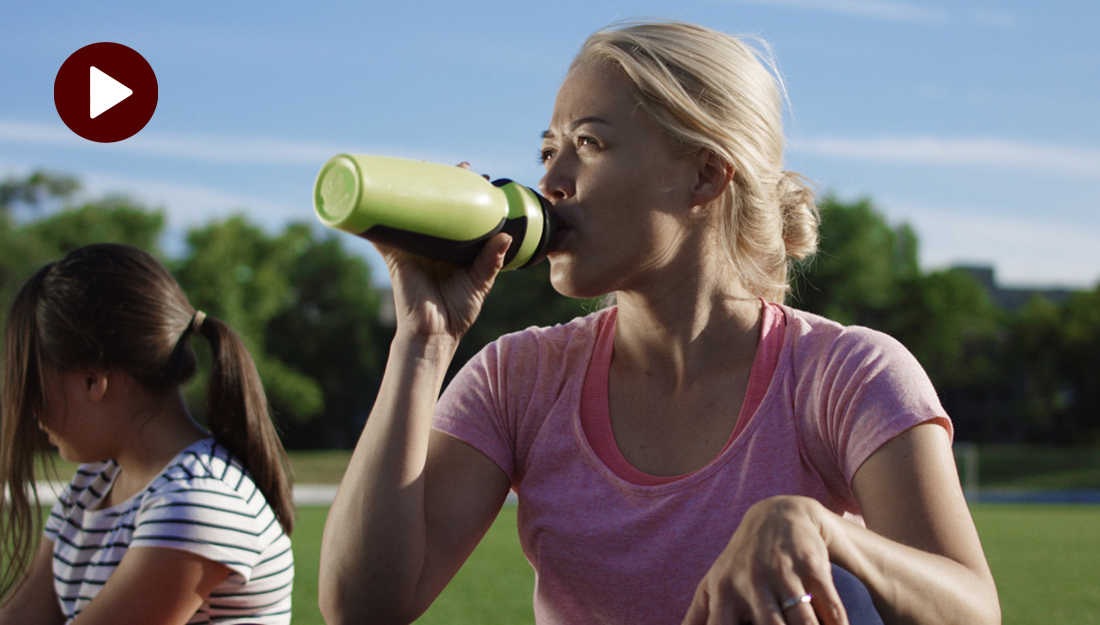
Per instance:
(620,190)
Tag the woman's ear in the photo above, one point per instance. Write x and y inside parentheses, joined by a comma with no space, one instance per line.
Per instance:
(713,176)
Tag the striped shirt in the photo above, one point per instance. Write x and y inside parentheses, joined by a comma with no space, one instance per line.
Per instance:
(203,503)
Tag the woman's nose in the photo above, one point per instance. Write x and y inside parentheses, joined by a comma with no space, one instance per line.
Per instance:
(556,185)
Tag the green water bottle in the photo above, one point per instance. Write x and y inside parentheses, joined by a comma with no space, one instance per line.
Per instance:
(436,211)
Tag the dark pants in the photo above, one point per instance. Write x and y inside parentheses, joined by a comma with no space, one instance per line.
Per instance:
(856,598)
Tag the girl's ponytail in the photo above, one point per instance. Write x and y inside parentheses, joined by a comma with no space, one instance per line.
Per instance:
(237,414)
(20,439)
(116,307)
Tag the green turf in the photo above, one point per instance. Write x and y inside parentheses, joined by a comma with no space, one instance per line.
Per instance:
(494,586)
(1044,559)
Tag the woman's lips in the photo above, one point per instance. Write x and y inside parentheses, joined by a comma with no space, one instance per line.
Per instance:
(559,237)
(563,228)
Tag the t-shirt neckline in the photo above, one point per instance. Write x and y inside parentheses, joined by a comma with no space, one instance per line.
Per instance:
(595,414)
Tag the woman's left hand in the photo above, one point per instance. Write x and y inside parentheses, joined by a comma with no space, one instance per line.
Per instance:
(778,553)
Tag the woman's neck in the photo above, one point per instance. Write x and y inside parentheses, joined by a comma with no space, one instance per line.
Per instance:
(696,326)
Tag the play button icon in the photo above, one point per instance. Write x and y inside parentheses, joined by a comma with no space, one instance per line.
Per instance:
(105,92)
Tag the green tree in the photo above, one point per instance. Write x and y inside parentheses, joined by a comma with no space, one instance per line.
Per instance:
(867,273)
(330,330)
(861,268)
(1040,394)
(58,227)
(239,274)
(949,323)
(113,220)
(36,190)
(305,307)
(1080,367)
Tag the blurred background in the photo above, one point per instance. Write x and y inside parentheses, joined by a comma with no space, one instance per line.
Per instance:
(955,144)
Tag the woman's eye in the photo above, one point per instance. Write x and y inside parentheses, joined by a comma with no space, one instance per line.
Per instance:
(582,141)
(545,155)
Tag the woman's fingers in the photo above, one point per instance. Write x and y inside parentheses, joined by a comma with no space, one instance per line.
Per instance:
(491,259)
(826,601)
(774,571)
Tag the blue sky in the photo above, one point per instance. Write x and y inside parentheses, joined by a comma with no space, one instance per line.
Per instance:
(976,122)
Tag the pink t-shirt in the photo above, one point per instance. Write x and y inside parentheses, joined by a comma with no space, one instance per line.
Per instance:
(610,544)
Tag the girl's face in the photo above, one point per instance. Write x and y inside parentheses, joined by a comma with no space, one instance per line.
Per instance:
(70,418)
(620,189)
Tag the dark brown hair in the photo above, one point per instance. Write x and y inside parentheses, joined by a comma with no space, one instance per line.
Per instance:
(115,307)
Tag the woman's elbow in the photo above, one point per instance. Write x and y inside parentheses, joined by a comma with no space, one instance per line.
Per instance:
(356,603)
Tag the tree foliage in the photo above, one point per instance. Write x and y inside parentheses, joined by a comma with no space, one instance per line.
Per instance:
(305,307)
(309,313)
(1029,375)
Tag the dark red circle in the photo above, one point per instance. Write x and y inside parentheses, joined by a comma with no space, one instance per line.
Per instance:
(72,92)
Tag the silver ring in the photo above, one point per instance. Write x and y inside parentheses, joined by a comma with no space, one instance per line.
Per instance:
(793,601)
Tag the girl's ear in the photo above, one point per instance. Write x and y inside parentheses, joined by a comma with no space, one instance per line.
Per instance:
(95,384)
(713,176)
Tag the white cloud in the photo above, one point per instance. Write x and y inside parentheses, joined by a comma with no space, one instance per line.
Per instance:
(236,150)
(190,147)
(907,12)
(877,9)
(981,152)
(1024,251)
(185,205)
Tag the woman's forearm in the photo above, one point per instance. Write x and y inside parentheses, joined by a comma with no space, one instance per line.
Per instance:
(373,550)
(910,585)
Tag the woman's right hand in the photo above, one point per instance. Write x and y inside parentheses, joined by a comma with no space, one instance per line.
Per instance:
(441,300)
(436,299)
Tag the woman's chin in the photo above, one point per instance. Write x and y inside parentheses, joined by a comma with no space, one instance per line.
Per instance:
(569,282)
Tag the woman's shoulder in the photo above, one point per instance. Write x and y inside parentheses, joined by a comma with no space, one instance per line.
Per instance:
(824,353)
(563,332)
(557,343)
(811,335)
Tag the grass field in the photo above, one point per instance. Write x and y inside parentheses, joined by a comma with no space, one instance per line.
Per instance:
(1044,558)
(494,587)
(1046,561)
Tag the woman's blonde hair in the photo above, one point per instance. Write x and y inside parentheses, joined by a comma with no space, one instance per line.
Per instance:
(715,92)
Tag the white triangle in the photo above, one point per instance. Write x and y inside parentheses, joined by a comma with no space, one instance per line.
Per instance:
(104,92)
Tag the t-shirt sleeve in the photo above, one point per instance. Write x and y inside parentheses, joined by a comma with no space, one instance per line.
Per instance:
(474,408)
(204,517)
(870,389)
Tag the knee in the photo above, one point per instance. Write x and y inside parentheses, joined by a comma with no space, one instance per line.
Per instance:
(856,598)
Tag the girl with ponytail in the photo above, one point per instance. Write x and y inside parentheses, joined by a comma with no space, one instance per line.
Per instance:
(164,522)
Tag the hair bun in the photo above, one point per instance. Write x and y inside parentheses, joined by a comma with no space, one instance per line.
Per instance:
(801,217)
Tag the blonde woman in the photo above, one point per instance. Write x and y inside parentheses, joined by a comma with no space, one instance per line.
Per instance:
(697,453)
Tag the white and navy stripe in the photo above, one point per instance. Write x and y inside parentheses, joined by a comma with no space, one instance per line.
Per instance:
(203,503)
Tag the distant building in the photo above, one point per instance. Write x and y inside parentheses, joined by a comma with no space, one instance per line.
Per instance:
(1011,298)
